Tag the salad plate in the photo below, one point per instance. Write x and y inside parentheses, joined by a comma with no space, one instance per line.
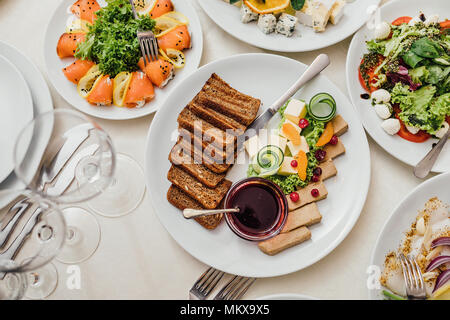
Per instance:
(401,118)
(304,38)
(220,247)
(16,112)
(58,24)
(40,94)
(403,216)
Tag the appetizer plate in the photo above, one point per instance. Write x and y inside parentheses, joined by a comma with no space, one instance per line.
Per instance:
(408,152)
(68,90)
(402,217)
(304,39)
(16,112)
(286,296)
(266,77)
(41,98)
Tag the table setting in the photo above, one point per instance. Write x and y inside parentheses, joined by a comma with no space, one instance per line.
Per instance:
(225,150)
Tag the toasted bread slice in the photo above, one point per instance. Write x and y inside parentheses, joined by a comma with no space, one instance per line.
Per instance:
(216,118)
(284,241)
(188,120)
(220,96)
(199,171)
(209,198)
(199,156)
(181,200)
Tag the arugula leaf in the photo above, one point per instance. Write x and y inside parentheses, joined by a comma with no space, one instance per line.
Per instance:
(297,4)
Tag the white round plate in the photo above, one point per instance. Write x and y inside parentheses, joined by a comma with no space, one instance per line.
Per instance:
(68,90)
(266,77)
(400,220)
(408,152)
(41,98)
(287,296)
(304,39)
(16,112)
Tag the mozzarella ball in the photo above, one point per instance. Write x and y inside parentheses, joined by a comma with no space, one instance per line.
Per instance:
(443,130)
(382,30)
(413,130)
(434,18)
(383,111)
(381,96)
(391,126)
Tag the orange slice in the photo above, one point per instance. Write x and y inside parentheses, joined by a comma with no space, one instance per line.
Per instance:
(268,6)
(291,133)
(326,135)
(302,161)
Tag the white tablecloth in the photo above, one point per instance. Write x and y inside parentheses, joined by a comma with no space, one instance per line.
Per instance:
(137,258)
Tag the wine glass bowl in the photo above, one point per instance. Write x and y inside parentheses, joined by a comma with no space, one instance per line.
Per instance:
(69,160)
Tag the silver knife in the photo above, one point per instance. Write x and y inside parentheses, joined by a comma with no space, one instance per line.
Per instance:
(74,138)
(423,168)
(321,62)
(67,175)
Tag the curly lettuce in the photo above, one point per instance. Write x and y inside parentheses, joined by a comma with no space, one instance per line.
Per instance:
(111,41)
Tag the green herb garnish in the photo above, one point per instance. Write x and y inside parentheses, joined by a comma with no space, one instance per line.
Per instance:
(112,41)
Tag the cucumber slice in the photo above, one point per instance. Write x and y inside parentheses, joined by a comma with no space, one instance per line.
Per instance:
(322,107)
(268,160)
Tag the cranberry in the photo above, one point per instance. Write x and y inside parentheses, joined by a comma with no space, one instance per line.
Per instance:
(334,140)
(303,123)
(294,196)
(315,193)
(320,155)
(317,171)
(315,178)
(294,163)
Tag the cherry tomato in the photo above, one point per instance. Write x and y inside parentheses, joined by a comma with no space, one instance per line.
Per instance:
(371,74)
(401,20)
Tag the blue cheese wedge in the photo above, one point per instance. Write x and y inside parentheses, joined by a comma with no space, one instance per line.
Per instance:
(267,23)
(248,15)
(315,14)
(286,24)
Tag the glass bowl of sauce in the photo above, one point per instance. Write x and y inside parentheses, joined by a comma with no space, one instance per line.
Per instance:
(263,209)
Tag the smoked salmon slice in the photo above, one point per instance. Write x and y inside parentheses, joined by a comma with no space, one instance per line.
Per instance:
(161,7)
(67,44)
(85,9)
(140,90)
(160,72)
(77,70)
(179,39)
(102,93)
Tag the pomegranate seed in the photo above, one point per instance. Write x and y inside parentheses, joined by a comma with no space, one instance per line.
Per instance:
(315,193)
(294,163)
(315,178)
(303,123)
(320,155)
(318,171)
(334,140)
(294,196)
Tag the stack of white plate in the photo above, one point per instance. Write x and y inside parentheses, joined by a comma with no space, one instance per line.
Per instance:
(23,94)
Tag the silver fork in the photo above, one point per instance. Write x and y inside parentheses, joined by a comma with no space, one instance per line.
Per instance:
(235,288)
(415,287)
(205,284)
(147,41)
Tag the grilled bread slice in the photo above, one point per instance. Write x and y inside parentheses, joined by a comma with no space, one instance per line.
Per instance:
(209,198)
(181,200)
(197,170)
(220,96)
(199,156)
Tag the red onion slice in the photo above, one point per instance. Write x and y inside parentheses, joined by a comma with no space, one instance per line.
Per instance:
(442,241)
(436,262)
(442,279)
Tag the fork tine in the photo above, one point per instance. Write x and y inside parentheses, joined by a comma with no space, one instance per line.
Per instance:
(417,273)
(196,284)
(154,42)
(212,284)
(245,289)
(237,292)
(143,52)
(220,295)
(147,50)
(406,274)
(149,44)
(230,294)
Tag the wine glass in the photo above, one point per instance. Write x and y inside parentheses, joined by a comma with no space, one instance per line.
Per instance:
(32,234)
